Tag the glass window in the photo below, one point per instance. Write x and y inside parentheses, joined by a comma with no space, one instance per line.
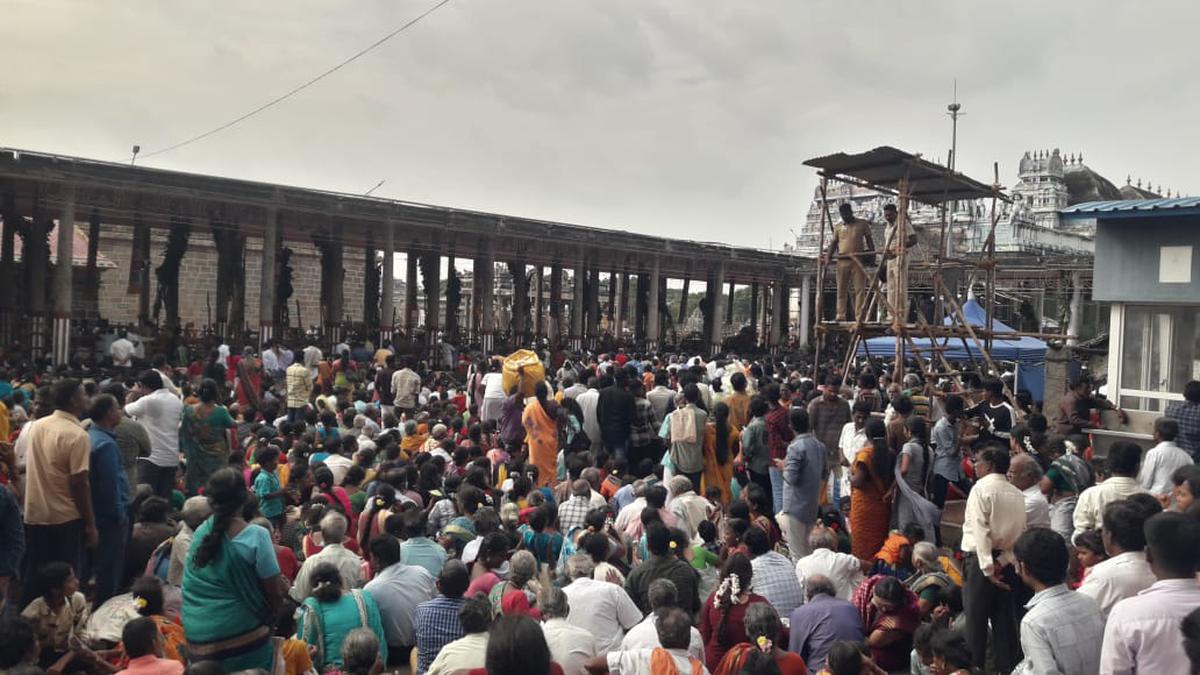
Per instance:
(1160,353)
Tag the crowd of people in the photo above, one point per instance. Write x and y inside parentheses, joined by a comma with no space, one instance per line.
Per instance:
(293,512)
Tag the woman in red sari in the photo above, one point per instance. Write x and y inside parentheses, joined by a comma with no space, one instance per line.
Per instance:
(890,616)
(872,483)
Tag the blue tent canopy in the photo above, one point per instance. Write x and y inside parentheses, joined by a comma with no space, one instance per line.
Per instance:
(1028,353)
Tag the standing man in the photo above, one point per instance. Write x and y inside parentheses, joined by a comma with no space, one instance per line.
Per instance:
(159,411)
(406,387)
(803,470)
(110,497)
(779,434)
(132,439)
(1026,475)
(828,415)
(897,269)
(615,412)
(1142,634)
(383,387)
(1075,408)
(398,589)
(59,521)
(1164,459)
(994,519)
(1062,631)
(851,240)
(947,460)
(1125,572)
(1123,460)
(1187,414)
(686,436)
(299,382)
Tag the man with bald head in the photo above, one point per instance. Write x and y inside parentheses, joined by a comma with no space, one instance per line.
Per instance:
(1026,475)
(674,633)
(822,621)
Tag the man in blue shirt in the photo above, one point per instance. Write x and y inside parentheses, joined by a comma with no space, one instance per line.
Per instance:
(803,470)
(110,497)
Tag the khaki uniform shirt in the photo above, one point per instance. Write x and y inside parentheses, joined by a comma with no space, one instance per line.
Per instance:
(851,237)
(58,449)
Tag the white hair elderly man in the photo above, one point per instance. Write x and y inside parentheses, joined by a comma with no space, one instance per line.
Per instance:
(688,507)
(606,610)
(844,570)
(349,565)
(571,647)
(663,595)
(195,511)
(1026,475)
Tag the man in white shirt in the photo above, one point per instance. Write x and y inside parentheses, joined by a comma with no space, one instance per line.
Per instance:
(994,519)
(1123,460)
(673,632)
(159,411)
(588,402)
(571,388)
(1026,475)
(349,565)
(663,595)
(1164,459)
(689,508)
(121,351)
(842,569)
(571,647)
(852,439)
(1142,634)
(608,611)
(469,651)
(633,510)
(1126,572)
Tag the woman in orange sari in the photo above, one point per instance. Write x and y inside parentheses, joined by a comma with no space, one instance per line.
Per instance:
(541,434)
(872,483)
(721,441)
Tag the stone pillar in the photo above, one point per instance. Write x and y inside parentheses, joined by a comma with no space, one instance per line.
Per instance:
(387,299)
(431,281)
(593,305)
(412,312)
(653,315)
(718,306)
(683,302)
(61,326)
(520,303)
(806,283)
(622,304)
(8,267)
(539,305)
(333,275)
(729,305)
(578,303)
(765,318)
(485,292)
(754,310)
(266,293)
(778,313)
(612,302)
(556,305)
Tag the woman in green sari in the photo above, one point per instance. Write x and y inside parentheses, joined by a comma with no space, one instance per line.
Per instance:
(232,588)
(202,433)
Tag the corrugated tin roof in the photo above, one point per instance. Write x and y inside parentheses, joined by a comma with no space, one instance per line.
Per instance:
(884,167)
(1133,208)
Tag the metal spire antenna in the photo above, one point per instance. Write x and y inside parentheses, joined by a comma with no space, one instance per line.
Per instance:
(953,110)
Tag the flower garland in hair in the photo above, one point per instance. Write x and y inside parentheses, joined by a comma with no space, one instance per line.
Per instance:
(764,644)
(1028,443)
(730,588)
(1071,447)
(139,603)
(380,502)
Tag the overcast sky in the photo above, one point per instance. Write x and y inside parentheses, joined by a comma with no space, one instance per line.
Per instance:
(683,118)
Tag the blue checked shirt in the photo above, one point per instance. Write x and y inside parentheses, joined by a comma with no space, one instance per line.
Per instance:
(437,625)
(775,579)
(1187,414)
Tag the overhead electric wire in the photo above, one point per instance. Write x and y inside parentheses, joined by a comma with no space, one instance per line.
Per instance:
(297,89)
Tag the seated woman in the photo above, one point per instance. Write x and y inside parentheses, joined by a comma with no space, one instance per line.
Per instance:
(147,595)
(231,582)
(895,557)
(722,619)
(329,614)
(890,616)
(764,630)
(520,585)
(933,574)
(541,536)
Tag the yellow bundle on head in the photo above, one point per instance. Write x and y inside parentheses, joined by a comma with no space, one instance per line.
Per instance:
(534,372)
